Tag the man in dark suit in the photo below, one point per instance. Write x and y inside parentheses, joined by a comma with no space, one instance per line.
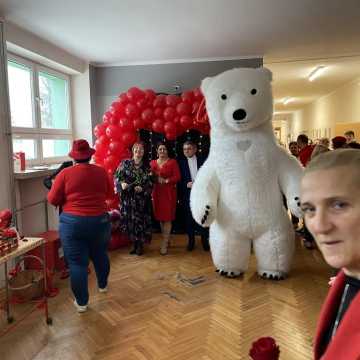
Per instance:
(188,168)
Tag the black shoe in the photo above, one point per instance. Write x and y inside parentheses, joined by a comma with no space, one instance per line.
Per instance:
(140,249)
(134,248)
(205,244)
(191,245)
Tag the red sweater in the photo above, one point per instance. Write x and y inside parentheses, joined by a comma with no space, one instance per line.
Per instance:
(305,154)
(346,343)
(82,190)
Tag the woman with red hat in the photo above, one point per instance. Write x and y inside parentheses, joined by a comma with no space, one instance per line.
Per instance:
(84,228)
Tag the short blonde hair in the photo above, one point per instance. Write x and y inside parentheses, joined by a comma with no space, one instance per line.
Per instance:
(333,159)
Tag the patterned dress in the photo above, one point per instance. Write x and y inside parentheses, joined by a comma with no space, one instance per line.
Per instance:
(135,208)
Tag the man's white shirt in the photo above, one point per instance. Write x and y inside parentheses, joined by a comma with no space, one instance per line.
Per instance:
(193,167)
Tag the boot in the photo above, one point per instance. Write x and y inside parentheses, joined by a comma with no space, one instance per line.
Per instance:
(140,248)
(205,243)
(164,247)
(191,244)
(133,249)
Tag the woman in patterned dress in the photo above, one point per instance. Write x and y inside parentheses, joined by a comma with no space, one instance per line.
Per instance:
(166,173)
(134,186)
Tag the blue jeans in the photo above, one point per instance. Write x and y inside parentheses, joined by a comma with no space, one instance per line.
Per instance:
(84,238)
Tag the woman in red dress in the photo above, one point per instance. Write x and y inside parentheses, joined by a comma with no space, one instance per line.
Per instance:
(167,174)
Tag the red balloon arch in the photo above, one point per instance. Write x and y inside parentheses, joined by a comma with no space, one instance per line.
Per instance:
(136,109)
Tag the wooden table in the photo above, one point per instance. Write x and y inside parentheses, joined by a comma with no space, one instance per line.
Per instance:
(25,245)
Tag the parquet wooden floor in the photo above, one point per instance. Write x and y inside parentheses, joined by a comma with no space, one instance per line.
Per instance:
(176,307)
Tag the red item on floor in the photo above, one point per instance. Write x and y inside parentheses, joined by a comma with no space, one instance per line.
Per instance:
(53,252)
(118,240)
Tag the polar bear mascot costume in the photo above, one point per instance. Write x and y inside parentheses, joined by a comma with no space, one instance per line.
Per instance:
(239,190)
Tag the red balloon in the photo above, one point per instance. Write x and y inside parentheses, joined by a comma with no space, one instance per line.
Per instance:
(172,100)
(126,124)
(150,94)
(99,160)
(195,107)
(114,120)
(110,162)
(103,140)
(183,108)
(116,109)
(170,135)
(197,94)
(187,96)
(158,125)
(113,132)
(134,94)
(158,112)
(169,127)
(139,124)
(116,148)
(186,121)
(169,113)
(129,138)
(141,103)
(99,130)
(107,115)
(131,111)
(147,115)
(160,101)
(123,98)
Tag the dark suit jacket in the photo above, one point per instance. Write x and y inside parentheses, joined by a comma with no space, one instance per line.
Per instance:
(346,343)
(186,177)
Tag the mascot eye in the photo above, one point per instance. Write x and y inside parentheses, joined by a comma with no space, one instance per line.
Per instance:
(223,96)
(253,91)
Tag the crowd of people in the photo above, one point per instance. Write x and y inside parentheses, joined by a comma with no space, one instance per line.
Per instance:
(330,201)
(305,150)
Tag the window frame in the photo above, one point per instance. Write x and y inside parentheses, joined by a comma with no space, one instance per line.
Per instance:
(37,132)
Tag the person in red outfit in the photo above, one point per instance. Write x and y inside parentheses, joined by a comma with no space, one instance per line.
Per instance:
(330,200)
(166,174)
(84,228)
(305,149)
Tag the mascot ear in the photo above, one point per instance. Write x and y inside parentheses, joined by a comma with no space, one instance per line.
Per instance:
(267,73)
(205,84)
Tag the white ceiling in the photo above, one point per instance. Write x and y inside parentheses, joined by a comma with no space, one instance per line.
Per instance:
(157,31)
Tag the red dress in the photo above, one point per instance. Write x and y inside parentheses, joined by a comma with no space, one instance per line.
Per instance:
(164,195)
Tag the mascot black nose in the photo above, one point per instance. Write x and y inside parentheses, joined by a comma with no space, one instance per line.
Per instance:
(239,114)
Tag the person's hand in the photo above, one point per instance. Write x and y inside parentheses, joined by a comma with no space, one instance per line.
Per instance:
(189,184)
(138,189)
(161,180)
(332,280)
(124,185)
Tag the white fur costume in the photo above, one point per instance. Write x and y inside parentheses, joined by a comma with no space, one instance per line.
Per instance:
(238,191)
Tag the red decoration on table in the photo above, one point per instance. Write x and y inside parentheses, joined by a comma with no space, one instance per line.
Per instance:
(9,237)
(265,348)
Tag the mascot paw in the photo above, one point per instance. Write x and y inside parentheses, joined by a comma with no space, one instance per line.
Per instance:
(229,274)
(295,207)
(273,275)
(207,218)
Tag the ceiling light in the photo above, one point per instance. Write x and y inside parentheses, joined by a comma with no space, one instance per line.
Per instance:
(287,100)
(316,72)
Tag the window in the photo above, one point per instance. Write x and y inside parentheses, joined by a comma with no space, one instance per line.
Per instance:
(40,111)
(20,92)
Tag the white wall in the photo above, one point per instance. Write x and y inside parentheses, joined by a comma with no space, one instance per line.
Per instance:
(319,118)
(31,46)
(6,194)
(81,105)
